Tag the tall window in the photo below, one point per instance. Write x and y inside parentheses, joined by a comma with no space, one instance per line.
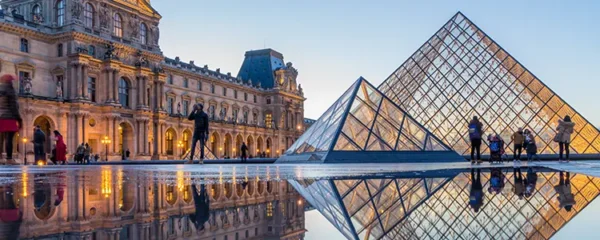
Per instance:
(123,92)
(60,13)
(143,33)
(268,100)
(92,50)
(170,79)
(268,120)
(212,88)
(199,85)
(22,77)
(24,45)
(92,88)
(185,83)
(59,50)
(224,91)
(170,102)
(235,94)
(89,15)
(245,96)
(36,13)
(254,96)
(169,140)
(186,103)
(118,25)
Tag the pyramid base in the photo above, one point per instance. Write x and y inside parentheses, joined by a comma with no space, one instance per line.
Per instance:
(372,157)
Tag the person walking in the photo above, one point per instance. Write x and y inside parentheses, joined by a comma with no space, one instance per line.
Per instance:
(10,119)
(87,153)
(476,193)
(563,137)
(565,197)
(61,148)
(244,150)
(127,154)
(39,140)
(518,140)
(200,119)
(475,133)
(80,153)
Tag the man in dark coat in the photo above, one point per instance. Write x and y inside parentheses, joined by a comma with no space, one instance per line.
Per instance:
(200,119)
(244,150)
(39,140)
(202,205)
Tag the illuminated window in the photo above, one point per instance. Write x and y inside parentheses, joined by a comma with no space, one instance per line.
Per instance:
(268,120)
(169,141)
(270,209)
(186,140)
(118,25)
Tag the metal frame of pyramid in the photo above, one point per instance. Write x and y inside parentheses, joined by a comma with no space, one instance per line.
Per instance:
(365,126)
(208,154)
(436,206)
(460,72)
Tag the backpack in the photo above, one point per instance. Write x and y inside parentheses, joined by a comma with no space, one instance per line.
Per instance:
(495,146)
(474,131)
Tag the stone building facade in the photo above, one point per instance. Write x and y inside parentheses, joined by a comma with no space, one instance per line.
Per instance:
(114,205)
(94,71)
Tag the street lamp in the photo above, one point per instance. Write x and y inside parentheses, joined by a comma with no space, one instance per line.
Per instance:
(24,151)
(105,141)
(180,146)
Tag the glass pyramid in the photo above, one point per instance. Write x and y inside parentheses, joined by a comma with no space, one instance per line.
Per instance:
(437,207)
(208,154)
(364,125)
(460,72)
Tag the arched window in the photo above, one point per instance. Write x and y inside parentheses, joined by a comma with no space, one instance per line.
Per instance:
(169,141)
(60,13)
(118,25)
(89,15)
(124,92)
(36,13)
(143,33)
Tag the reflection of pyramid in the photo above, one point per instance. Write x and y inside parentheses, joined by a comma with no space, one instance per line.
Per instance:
(461,72)
(438,208)
(364,125)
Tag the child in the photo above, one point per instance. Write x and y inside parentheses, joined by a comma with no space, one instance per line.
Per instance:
(530,146)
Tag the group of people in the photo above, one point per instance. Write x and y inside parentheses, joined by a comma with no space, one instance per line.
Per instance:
(521,139)
(524,187)
(84,154)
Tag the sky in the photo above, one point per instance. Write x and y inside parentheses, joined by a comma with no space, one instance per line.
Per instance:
(332,43)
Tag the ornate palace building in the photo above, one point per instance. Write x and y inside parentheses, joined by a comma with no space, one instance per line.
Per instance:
(94,71)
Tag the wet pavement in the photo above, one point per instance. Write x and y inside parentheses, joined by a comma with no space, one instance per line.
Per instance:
(343,201)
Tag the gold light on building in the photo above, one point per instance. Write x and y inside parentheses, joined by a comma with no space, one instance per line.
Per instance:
(180,180)
(106,182)
(24,182)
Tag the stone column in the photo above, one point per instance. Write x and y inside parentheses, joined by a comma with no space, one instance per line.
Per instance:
(115,88)
(145,137)
(73,83)
(78,81)
(84,93)
(109,86)
(144,91)
(115,132)
(155,139)
(83,132)
(138,82)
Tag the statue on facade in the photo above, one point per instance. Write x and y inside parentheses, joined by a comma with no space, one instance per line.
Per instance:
(59,90)
(300,91)
(103,16)
(76,9)
(110,52)
(37,16)
(27,86)
(178,108)
(141,61)
(155,34)
(134,26)
(222,114)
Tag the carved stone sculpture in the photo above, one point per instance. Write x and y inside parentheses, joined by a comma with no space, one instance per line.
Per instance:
(27,86)
(179,108)
(134,26)
(103,17)
(110,52)
(155,34)
(76,9)
(59,90)
(141,61)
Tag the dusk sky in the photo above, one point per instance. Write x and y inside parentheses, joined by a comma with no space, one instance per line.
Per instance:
(332,43)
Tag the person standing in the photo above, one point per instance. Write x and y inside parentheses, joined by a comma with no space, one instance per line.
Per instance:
(475,133)
(61,148)
(10,119)
(530,146)
(127,154)
(518,140)
(87,153)
(200,119)
(563,137)
(244,150)
(39,140)
(80,153)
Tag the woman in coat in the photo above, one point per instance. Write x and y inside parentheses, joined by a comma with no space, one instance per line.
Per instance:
(10,119)
(61,148)
(563,136)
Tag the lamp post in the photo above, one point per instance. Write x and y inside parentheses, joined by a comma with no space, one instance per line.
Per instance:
(180,146)
(105,141)
(24,151)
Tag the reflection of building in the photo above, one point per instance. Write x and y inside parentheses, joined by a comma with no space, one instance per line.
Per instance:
(113,206)
(437,206)
(460,72)
(365,125)
(92,69)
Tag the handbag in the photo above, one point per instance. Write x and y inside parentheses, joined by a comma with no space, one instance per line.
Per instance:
(558,137)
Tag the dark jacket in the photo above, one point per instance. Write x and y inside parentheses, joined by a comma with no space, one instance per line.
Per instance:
(9,107)
(39,137)
(202,204)
(244,149)
(200,119)
(479,128)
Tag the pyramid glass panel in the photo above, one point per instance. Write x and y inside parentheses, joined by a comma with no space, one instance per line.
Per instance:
(365,125)
(428,205)
(462,71)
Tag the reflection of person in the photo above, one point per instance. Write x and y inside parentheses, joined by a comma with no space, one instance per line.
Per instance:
(519,187)
(10,214)
(200,119)
(531,182)
(565,197)
(202,204)
(476,195)
(496,181)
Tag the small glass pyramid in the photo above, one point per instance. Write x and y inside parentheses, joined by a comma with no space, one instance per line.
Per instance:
(364,125)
